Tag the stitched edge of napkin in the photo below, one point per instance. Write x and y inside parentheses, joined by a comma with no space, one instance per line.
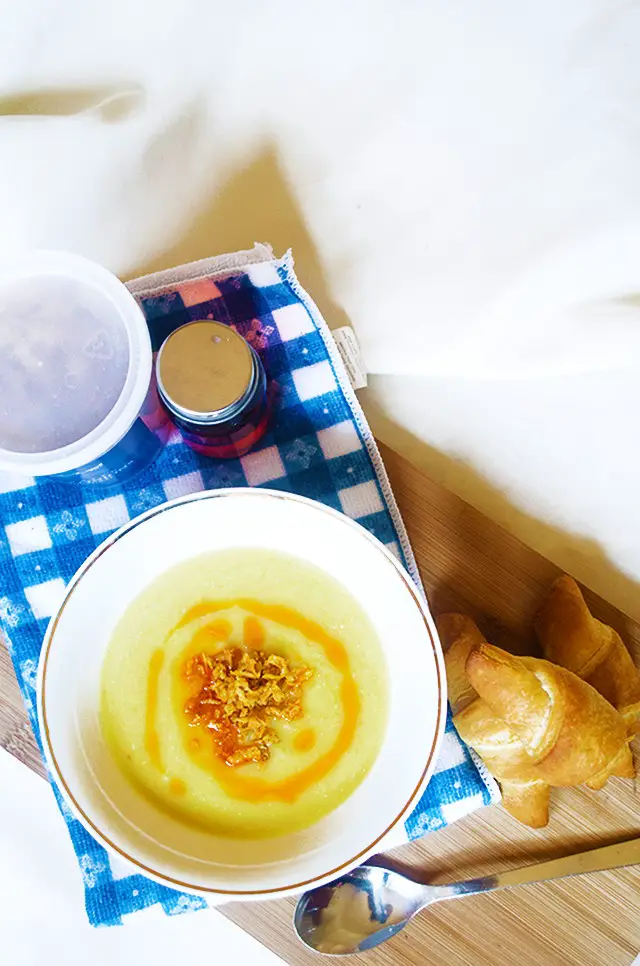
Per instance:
(217,266)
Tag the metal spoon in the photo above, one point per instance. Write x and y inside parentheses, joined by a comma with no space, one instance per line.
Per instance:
(370,904)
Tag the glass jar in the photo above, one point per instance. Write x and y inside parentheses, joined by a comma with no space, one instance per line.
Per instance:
(213,385)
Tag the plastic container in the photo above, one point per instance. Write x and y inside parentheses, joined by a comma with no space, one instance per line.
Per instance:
(214,388)
(75,368)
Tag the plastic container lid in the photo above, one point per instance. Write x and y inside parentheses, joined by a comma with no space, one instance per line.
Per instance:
(75,362)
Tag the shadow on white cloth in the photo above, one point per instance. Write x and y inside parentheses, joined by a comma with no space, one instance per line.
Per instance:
(458,181)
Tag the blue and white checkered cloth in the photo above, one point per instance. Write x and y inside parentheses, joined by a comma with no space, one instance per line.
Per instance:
(318,445)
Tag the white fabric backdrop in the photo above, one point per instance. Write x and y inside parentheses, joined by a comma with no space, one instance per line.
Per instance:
(460,180)
(484,156)
(42,918)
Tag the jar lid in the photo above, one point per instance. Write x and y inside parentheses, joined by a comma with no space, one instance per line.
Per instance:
(203,368)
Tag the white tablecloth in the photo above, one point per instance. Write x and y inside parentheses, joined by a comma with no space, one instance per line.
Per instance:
(460,181)
(42,918)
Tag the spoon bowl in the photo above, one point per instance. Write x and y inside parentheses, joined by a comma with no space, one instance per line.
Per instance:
(358,911)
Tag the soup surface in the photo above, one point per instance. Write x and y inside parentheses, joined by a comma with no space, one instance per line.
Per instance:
(245,692)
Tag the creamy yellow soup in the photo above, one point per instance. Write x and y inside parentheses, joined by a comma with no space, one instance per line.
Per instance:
(245,598)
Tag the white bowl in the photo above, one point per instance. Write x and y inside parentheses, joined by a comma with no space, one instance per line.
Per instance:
(162,847)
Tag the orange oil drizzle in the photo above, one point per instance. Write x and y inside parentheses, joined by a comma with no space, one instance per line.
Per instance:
(254,788)
(254,635)
(177,787)
(211,634)
(195,612)
(304,740)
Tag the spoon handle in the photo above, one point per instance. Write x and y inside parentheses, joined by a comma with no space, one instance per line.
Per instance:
(597,860)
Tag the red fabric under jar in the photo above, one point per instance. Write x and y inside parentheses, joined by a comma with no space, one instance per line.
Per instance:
(213,385)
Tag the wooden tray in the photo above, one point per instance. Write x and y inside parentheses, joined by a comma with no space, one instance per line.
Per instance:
(469,563)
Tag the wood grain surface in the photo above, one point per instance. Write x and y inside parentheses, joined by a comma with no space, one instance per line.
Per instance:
(469,563)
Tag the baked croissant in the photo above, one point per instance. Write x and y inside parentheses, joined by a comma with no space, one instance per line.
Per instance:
(533,723)
(525,794)
(571,637)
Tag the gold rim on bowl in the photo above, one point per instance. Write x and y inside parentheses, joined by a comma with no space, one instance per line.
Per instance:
(48,747)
